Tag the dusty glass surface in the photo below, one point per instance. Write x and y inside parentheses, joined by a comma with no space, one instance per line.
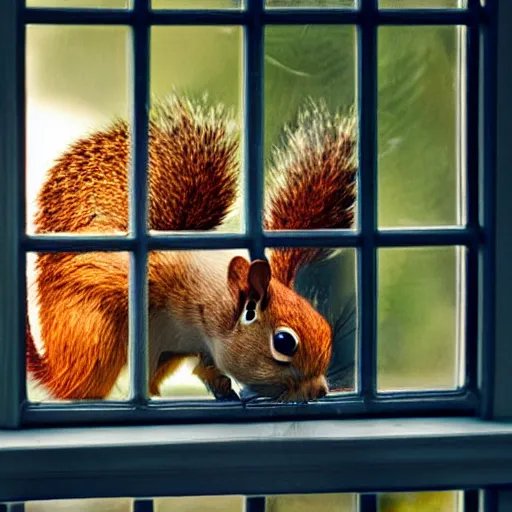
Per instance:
(445,501)
(197,4)
(308,3)
(76,85)
(307,502)
(77,313)
(417,318)
(309,102)
(105,4)
(418,83)
(190,62)
(200,504)
(89,505)
(421,4)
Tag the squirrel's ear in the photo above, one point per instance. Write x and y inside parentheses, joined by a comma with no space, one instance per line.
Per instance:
(259,278)
(249,280)
(238,272)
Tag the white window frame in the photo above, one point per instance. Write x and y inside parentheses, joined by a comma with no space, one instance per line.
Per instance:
(370,455)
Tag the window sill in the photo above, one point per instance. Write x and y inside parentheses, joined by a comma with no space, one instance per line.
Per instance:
(254,458)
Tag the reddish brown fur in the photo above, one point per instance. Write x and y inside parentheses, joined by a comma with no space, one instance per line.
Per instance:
(193,179)
(193,176)
(319,193)
(302,380)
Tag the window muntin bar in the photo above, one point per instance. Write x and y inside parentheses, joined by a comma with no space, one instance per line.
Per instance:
(487,205)
(143,505)
(368,503)
(269,17)
(253,117)
(471,118)
(138,290)
(255,504)
(326,238)
(367,199)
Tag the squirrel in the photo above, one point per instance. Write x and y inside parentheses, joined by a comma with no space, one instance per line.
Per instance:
(242,319)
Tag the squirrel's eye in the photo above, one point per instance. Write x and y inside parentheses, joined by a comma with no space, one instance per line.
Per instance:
(284,344)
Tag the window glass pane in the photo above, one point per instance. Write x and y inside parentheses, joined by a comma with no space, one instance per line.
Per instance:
(188,63)
(90,505)
(77,306)
(418,318)
(310,125)
(329,286)
(309,3)
(307,502)
(418,82)
(447,501)
(421,4)
(76,85)
(200,503)
(197,4)
(106,4)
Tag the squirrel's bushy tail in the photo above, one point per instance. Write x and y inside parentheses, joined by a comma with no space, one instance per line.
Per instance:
(196,144)
(37,365)
(313,183)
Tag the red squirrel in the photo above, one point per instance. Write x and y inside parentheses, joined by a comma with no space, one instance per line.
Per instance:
(243,319)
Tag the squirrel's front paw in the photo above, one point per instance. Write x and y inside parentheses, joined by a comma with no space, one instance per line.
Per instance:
(216,382)
(222,390)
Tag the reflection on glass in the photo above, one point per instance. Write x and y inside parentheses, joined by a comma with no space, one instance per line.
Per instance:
(308,3)
(417,318)
(78,319)
(191,62)
(105,4)
(200,503)
(421,4)
(417,130)
(310,126)
(446,501)
(197,4)
(307,502)
(88,505)
(76,85)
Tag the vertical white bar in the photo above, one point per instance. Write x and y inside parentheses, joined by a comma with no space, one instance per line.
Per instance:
(11,363)
(502,404)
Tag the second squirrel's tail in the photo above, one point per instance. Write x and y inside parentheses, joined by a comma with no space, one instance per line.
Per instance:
(194,159)
(314,184)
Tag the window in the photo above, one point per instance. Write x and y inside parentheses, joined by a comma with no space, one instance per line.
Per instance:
(407,440)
